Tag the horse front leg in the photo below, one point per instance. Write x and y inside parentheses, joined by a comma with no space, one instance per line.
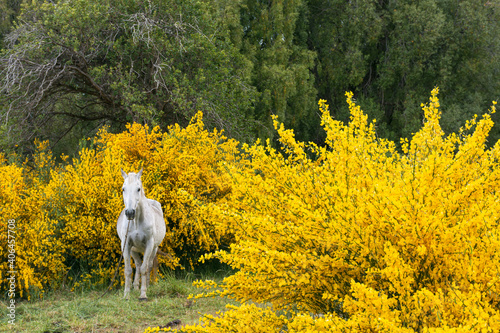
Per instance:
(127,271)
(145,269)
(138,264)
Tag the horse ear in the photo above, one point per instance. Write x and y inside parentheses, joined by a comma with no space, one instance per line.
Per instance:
(139,174)
(124,174)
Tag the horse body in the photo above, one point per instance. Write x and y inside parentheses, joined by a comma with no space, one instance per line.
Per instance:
(141,229)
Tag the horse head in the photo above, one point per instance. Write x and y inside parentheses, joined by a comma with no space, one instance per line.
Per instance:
(132,192)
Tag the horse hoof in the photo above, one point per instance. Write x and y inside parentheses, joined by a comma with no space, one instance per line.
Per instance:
(143,299)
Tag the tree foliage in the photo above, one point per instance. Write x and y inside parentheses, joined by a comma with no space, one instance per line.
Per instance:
(282,63)
(9,9)
(120,61)
(75,65)
(391,53)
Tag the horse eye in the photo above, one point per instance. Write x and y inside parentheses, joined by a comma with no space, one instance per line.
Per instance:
(138,190)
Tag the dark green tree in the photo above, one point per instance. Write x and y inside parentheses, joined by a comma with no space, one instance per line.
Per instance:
(273,39)
(76,65)
(392,53)
(110,62)
(9,9)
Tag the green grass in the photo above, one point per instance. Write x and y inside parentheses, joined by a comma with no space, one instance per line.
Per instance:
(84,311)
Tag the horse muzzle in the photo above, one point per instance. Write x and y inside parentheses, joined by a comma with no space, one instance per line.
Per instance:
(130,214)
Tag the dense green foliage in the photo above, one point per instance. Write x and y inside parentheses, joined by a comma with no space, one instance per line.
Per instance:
(70,66)
(390,53)
(121,61)
(282,65)
(9,9)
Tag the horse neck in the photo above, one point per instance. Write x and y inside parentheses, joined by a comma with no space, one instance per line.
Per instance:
(141,206)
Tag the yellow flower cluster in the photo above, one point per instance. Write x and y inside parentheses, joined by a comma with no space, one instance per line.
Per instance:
(66,216)
(357,236)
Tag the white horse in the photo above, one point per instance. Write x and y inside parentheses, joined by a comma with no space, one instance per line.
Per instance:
(141,229)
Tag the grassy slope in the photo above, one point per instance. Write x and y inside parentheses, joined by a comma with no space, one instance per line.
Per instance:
(66,311)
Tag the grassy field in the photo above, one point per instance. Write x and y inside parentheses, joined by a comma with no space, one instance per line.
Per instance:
(84,311)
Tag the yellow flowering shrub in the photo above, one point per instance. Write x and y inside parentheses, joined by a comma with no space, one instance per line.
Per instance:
(356,235)
(360,236)
(182,172)
(66,215)
(246,318)
(185,173)
(38,256)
